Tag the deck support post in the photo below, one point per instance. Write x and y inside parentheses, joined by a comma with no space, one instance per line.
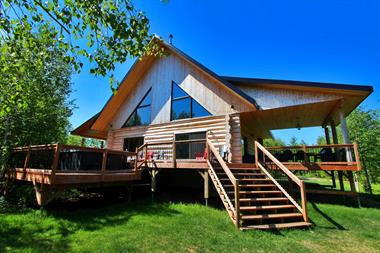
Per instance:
(340,177)
(153,186)
(352,178)
(333,179)
(45,194)
(327,137)
(206,191)
(335,141)
(346,140)
(327,134)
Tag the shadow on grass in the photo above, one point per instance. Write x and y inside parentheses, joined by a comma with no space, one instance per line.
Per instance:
(365,199)
(326,217)
(50,229)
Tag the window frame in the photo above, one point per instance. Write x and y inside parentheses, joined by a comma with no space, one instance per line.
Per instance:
(172,99)
(139,106)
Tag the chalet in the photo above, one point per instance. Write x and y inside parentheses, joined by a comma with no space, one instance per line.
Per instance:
(173,113)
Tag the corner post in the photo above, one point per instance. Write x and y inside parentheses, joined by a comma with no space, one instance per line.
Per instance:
(346,140)
(335,141)
(55,161)
(304,202)
(26,162)
(104,163)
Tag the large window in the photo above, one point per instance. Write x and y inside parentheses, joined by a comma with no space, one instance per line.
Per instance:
(141,115)
(130,144)
(190,145)
(184,106)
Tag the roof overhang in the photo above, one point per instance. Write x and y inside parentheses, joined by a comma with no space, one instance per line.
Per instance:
(86,131)
(260,123)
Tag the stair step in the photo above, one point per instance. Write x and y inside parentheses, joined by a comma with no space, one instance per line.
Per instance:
(248,168)
(248,174)
(252,185)
(271,216)
(261,199)
(278,226)
(255,192)
(247,179)
(271,207)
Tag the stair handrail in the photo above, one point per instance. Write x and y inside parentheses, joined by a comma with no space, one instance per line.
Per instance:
(144,161)
(294,178)
(235,182)
(221,162)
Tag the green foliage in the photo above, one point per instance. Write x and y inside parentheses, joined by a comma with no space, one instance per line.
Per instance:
(321,140)
(364,129)
(35,85)
(105,32)
(87,142)
(74,140)
(273,143)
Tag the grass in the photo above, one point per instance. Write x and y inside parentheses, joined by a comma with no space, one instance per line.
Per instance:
(144,226)
(327,182)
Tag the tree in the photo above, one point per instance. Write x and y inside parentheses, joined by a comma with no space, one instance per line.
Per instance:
(34,90)
(274,143)
(293,141)
(79,141)
(104,32)
(364,129)
(321,140)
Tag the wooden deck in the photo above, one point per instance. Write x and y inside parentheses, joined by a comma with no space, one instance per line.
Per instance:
(71,165)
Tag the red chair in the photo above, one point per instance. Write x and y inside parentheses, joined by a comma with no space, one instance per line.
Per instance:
(149,155)
(205,154)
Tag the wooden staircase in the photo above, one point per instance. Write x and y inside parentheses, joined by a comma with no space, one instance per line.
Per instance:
(253,198)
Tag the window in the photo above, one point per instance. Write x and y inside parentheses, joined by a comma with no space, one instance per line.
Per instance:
(184,106)
(131,144)
(190,150)
(141,115)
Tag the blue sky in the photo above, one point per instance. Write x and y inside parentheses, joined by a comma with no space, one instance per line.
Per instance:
(324,41)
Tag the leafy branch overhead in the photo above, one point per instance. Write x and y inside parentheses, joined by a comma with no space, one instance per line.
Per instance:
(105,32)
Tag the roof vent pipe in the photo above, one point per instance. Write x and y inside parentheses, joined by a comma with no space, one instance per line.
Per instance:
(171,39)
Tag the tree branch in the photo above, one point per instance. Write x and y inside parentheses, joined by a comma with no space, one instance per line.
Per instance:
(51,16)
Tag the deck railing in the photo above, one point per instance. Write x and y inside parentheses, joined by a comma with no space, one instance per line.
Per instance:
(173,151)
(284,179)
(60,158)
(331,156)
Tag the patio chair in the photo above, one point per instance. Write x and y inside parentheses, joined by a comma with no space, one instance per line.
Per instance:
(325,155)
(300,156)
(287,156)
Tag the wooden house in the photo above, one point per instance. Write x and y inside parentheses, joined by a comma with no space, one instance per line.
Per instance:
(172,112)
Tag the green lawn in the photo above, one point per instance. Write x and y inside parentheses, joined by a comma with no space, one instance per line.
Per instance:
(327,182)
(165,227)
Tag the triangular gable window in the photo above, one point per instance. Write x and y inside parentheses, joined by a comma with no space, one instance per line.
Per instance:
(141,115)
(184,106)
